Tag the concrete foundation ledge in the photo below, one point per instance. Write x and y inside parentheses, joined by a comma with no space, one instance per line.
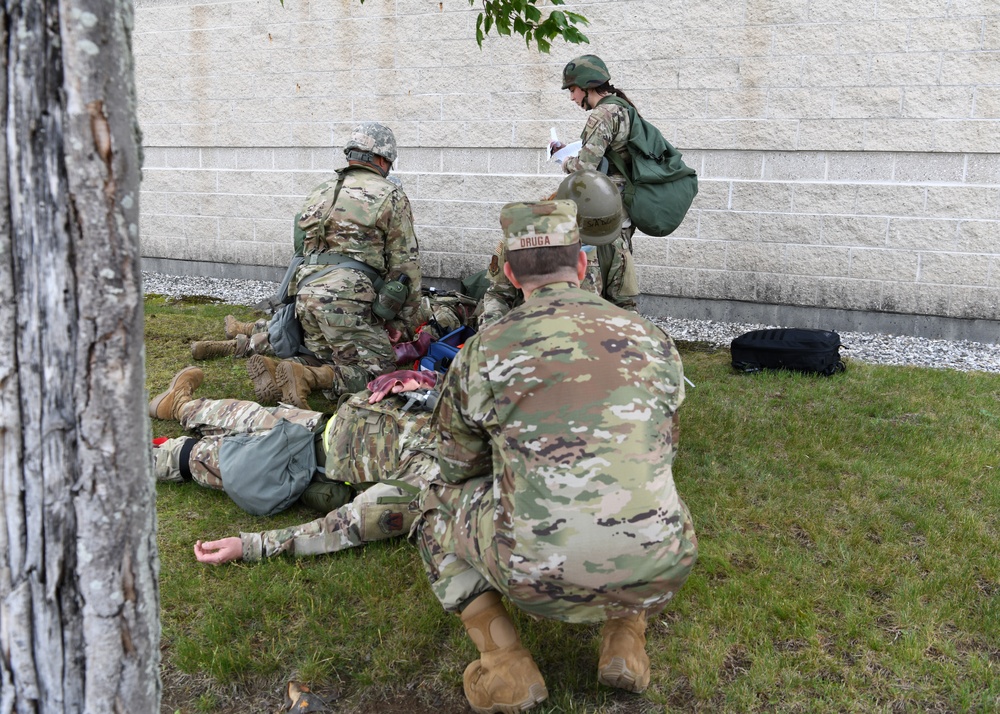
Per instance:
(890,323)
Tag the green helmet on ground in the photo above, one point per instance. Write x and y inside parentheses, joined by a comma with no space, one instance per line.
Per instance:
(599,212)
(370,137)
(585,72)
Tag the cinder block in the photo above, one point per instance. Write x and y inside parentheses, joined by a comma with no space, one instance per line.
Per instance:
(820,261)
(953,269)
(897,134)
(848,294)
(766,72)
(790,289)
(658,280)
(157,246)
(991,33)
(963,202)
(831,135)
(909,10)
(924,102)
(687,253)
(761,196)
(675,104)
(898,265)
(974,136)
(273,232)
(922,234)
(900,297)
(945,35)
(723,73)
(794,166)
(712,195)
(790,228)
(218,204)
(970,67)
(987,103)
(975,303)
(519,161)
(979,237)
(201,227)
(889,200)
(822,198)
(932,168)
(867,102)
(755,257)
(828,11)
(179,180)
(729,226)
(293,159)
(648,250)
(800,103)
(855,231)
(834,70)
(860,167)
(775,12)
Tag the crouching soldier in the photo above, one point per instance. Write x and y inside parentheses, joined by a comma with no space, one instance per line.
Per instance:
(363,466)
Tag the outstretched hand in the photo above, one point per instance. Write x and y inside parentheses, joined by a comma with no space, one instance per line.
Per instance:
(402,380)
(216,552)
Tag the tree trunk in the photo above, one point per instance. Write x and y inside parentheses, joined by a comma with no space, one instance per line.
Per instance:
(79,599)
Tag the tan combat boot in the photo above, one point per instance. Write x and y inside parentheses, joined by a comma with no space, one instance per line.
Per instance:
(505,678)
(235,327)
(623,662)
(261,371)
(181,390)
(237,347)
(296,381)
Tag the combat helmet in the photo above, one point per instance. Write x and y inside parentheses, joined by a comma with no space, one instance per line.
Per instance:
(371,138)
(599,211)
(586,72)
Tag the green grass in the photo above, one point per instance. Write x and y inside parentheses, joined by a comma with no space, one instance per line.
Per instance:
(848,531)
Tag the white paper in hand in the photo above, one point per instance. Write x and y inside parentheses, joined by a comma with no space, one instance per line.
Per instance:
(567,151)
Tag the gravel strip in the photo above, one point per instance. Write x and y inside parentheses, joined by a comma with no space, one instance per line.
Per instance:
(861,346)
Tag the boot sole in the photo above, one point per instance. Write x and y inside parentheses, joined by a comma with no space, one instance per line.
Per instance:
(285,380)
(264,385)
(537,693)
(617,674)
(158,399)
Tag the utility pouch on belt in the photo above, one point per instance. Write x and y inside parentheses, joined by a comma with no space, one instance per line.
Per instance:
(391,297)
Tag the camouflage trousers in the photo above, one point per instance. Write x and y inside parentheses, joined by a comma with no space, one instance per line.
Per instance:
(339,328)
(215,419)
(383,510)
(465,555)
(619,283)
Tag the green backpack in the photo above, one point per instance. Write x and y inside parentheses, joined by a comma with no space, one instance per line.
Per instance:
(660,186)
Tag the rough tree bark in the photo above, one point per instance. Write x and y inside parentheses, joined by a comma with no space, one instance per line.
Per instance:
(79,599)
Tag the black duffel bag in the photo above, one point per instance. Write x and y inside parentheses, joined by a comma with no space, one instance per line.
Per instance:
(798,349)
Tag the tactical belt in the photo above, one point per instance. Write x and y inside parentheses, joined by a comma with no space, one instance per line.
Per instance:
(343,261)
(184,459)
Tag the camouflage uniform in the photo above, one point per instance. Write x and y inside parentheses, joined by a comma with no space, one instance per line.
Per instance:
(400,463)
(607,130)
(371,223)
(556,430)
(501,296)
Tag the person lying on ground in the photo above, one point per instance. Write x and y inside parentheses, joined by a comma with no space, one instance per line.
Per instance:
(363,466)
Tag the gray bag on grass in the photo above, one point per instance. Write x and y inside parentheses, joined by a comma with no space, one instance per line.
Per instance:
(265,473)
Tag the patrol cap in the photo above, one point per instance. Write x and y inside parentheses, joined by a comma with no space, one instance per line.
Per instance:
(539,224)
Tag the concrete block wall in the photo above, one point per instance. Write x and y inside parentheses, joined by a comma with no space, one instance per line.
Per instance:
(848,153)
